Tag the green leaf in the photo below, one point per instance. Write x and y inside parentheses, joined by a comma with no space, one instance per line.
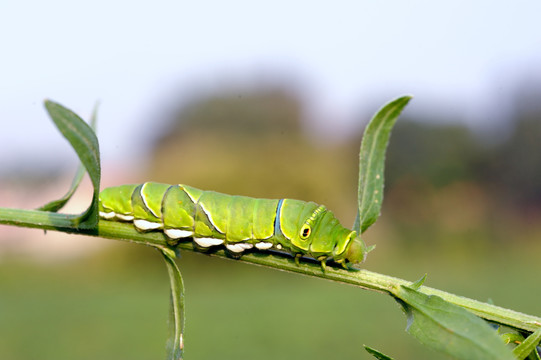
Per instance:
(528,346)
(175,343)
(449,328)
(417,285)
(372,161)
(378,355)
(56,205)
(85,143)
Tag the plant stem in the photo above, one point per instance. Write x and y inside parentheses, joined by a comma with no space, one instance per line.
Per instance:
(363,278)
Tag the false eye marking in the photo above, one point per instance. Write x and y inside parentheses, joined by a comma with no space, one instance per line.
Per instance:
(305,231)
(306,228)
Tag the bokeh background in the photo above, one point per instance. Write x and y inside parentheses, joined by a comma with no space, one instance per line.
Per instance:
(269,100)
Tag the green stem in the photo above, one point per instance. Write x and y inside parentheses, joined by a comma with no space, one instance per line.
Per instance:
(364,279)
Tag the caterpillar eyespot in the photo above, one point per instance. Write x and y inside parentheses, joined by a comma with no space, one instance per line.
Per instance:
(239,223)
(305,231)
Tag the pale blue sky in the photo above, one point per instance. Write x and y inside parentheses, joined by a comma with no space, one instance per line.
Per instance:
(347,58)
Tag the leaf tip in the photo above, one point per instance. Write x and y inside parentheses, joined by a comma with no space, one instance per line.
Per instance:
(417,284)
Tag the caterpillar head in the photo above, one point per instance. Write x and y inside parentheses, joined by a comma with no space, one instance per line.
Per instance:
(356,251)
(344,246)
(313,230)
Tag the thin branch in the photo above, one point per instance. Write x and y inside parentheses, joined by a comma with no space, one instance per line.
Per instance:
(363,278)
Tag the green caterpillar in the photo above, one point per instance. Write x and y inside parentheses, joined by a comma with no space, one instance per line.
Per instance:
(238,222)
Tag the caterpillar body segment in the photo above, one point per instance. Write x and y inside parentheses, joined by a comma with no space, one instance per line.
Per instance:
(237,222)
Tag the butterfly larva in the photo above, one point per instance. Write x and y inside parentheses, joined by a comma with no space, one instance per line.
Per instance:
(238,222)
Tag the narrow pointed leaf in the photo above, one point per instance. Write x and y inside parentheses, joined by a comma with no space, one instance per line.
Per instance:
(175,343)
(375,353)
(85,143)
(449,328)
(417,284)
(372,161)
(58,204)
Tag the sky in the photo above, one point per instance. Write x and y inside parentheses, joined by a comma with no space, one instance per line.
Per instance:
(345,57)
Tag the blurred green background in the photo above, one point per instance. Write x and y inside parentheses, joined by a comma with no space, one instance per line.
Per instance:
(462,206)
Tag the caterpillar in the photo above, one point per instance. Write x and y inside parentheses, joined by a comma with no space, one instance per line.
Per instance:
(239,223)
